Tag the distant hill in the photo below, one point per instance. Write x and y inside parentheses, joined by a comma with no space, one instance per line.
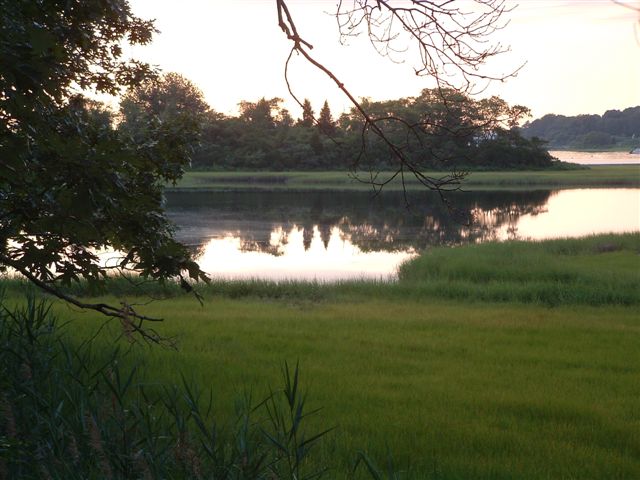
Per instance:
(614,130)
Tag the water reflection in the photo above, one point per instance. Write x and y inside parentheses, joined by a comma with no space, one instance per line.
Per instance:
(574,213)
(339,235)
(300,254)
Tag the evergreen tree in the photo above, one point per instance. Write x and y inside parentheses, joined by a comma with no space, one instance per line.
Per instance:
(325,121)
(307,114)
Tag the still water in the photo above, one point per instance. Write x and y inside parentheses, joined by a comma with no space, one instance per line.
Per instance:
(596,158)
(330,236)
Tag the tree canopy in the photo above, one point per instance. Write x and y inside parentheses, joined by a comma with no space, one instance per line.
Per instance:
(72,184)
(449,129)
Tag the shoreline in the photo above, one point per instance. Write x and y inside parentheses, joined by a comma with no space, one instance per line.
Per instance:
(596,176)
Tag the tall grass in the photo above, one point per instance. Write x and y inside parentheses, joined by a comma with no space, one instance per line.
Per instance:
(596,270)
(76,411)
(593,176)
(454,389)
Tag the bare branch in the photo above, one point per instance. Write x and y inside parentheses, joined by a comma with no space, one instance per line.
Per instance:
(132,321)
(302,47)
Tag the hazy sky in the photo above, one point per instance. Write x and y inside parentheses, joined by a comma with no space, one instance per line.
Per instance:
(583,56)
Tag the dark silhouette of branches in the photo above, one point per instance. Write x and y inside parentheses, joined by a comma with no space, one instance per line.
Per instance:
(452,45)
(452,41)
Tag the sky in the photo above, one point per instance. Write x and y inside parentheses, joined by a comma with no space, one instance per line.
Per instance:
(579,56)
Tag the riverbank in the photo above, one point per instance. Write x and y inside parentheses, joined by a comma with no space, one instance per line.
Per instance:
(508,360)
(611,176)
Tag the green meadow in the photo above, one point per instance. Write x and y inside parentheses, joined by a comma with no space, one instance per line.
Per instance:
(493,361)
(592,177)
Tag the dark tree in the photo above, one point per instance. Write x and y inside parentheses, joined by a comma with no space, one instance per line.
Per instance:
(307,114)
(71,184)
(165,97)
(325,120)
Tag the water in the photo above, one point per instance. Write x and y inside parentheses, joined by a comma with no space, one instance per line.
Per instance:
(596,158)
(331,236)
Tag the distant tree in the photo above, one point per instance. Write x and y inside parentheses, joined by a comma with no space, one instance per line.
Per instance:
(262,113)
(169,99)
(586,131)
(307,114)
(316,143)
(325,121)
(284,118)
(452,45)
(170,95)
(594,140)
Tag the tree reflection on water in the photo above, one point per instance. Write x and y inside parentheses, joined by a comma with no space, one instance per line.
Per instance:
(373,224)
(332,236)
(341,235)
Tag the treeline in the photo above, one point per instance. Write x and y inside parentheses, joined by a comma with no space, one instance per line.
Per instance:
(435,130)
(613,129)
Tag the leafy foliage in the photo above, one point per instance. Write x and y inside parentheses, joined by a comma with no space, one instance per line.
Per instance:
(437,129)
(71,183)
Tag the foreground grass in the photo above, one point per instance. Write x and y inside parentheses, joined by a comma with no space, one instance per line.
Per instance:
(595,176)
(496,386)
(473,391)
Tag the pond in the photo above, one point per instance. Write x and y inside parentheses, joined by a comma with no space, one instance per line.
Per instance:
(329,236)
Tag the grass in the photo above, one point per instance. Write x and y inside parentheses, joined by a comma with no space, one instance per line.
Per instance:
(473,391)
(494,386)
(598,270)
(593,177)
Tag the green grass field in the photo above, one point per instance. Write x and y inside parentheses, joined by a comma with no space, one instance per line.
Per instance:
(495,361)
(595,176)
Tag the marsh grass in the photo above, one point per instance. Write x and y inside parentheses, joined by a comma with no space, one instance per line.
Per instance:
(455,370)
(593,176)
(596,270)
(73,411)
(474,390)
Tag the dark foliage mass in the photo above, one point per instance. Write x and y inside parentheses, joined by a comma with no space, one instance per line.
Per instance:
(441,129)
(71,183)
(614,128)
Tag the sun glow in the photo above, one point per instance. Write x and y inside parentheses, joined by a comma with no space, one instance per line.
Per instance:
(579,56)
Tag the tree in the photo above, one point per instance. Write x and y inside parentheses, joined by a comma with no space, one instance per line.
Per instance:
(71,184)
(170,99)
(168,96)
(262,113)
(307,114)
(325,120)
(453,45)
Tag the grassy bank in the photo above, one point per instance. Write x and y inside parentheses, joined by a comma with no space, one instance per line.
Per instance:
(593,177)
(454,381)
